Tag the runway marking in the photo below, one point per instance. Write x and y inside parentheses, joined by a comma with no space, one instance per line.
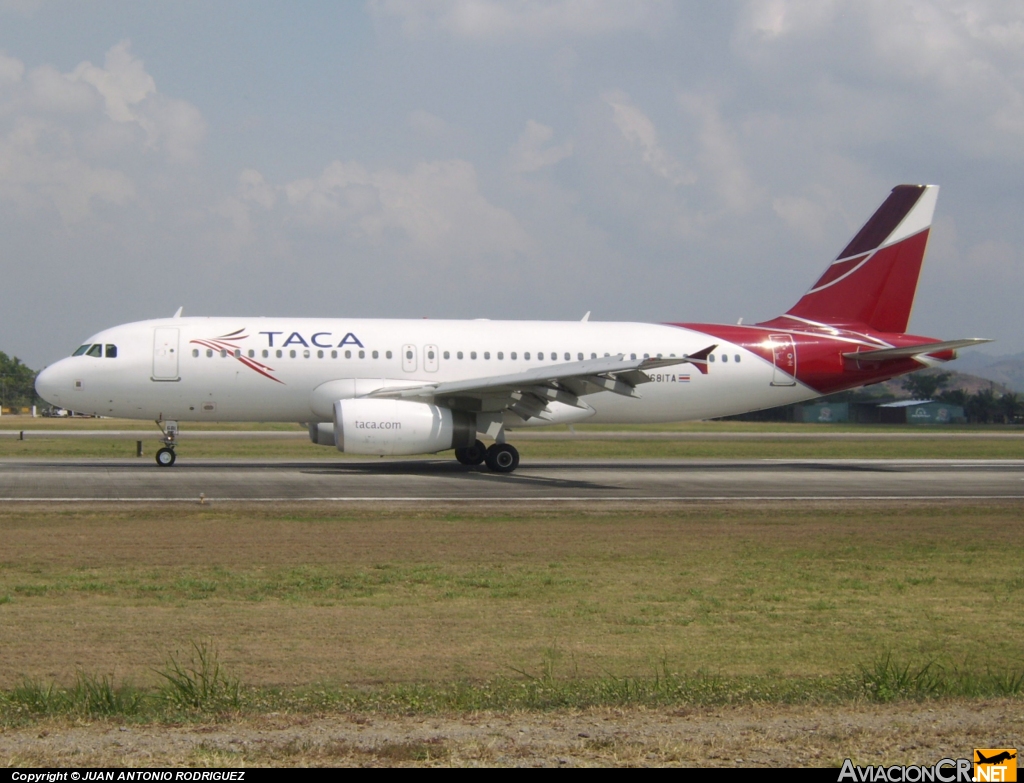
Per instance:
(463,499)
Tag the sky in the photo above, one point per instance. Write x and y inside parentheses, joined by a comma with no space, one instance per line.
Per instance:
(646,161)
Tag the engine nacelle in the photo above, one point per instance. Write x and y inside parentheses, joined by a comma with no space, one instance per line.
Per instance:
(399,427)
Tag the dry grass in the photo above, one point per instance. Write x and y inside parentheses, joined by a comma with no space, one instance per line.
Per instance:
(361,594)
(750,735)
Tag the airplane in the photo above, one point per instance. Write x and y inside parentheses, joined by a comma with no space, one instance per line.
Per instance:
(404,387)
(996,759)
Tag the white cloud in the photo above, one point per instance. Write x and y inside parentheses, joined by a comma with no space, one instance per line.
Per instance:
(435,211)
(428,124)
(532,151)
(130,96)
(504,19)
(123,82)
(721,155)
(11,70)
(252,187)
(38,165)
(71,140)
(637,128)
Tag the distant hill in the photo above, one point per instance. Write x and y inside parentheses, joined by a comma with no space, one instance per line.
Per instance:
(1007,370)
(971,384)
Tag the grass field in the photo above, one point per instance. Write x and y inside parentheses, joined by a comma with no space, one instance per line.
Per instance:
(449,605)
(819,446)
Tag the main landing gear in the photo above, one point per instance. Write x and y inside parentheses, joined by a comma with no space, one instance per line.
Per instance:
(165,457)
(500,457)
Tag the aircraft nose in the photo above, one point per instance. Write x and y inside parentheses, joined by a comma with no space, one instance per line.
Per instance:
(48,384)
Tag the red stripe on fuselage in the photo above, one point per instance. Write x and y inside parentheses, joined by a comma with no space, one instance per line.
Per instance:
(820,362)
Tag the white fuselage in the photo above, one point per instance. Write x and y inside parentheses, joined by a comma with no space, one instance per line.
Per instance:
(270,369)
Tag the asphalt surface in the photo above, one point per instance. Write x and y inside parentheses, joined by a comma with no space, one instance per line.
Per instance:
(549,480)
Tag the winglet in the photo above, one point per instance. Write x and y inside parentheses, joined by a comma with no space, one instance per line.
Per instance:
(177,313)
(700,359)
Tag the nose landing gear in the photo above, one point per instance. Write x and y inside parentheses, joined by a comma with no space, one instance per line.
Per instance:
(166,457)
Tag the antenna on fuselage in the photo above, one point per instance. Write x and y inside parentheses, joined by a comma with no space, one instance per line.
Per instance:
(586,317)
(177,313)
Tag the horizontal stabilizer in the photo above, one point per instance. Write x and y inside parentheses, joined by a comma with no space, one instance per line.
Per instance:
(910,351)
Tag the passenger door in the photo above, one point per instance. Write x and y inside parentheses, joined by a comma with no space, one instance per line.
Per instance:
(784,357)
(165,354)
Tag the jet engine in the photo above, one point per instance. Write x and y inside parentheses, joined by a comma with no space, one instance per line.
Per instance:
(396,427)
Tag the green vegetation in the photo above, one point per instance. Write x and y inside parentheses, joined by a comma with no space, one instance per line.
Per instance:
(201,691)
(328,607)
(17,382)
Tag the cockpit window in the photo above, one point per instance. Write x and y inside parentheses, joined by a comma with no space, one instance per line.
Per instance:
(81,350)
(111,352)
(96,350)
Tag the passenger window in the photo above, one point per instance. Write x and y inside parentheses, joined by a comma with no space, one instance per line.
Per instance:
(252,353)
(224,353)
(500,356)
(447,355)
(513,355)
(195,353)
(95,350)
(487,354)
(736,358)
(319,354)
(348,354)
(579,357)
(266,354)
(459,355)
(430,354)
(111,351)
(279,353)
(632,356)
(526,356)
(408,355)
(387,355)
(362,354)
(291,353)
(711,358)
(81,349)
(238,353)
(725,357)
(334,354)
(305,354)
(472,354)
(593,356)
(567,356)
(209,352)
(376,354)
(647,356)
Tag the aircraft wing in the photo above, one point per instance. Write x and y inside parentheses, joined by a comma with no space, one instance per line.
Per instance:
(910,351)
(527,393)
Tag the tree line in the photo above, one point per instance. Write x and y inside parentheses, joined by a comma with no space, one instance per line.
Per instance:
(17,382)
(983,407)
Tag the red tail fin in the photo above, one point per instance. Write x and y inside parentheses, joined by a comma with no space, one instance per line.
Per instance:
(873,281)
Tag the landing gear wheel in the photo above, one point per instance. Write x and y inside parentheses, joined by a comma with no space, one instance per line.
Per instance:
(471,455)
(165,457)
(502,458)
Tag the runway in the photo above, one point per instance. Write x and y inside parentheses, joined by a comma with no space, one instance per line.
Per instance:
(38,480)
